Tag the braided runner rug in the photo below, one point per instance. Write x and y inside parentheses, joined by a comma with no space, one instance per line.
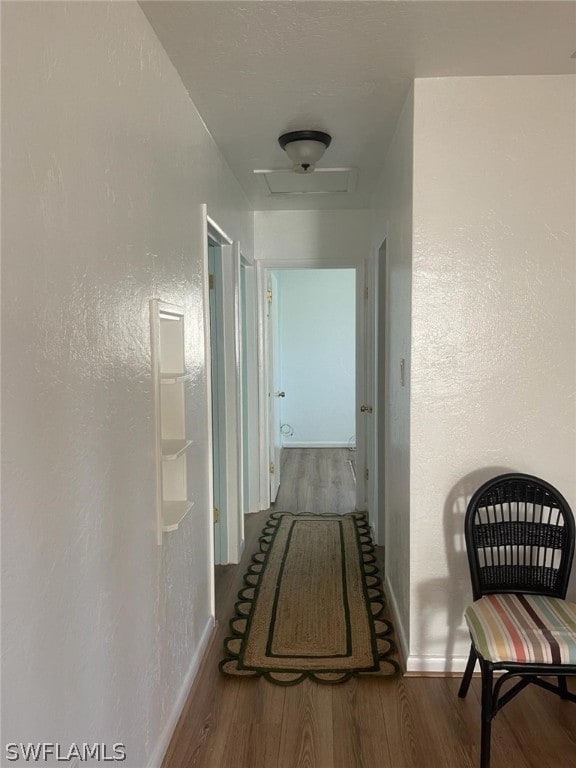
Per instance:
(312,605)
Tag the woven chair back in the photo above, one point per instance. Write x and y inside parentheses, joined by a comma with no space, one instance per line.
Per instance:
(519,537)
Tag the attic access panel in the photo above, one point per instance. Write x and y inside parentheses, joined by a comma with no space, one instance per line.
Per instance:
(323,181)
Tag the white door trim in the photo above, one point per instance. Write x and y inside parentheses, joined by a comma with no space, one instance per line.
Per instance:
(201,244)
(217,233)
(363,394)
(251,427)
(232,384)
(273,377)
(382,366)
(263,416)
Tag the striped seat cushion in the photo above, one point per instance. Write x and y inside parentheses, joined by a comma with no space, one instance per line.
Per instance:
(523,628)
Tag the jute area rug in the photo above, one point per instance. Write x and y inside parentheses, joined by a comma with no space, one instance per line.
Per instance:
(312,605)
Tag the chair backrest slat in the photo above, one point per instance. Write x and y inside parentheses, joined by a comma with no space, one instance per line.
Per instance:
(519,537)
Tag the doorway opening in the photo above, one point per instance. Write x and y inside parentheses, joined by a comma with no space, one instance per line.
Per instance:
(311,362)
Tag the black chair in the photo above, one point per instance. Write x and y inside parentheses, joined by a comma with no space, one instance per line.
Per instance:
(520,543)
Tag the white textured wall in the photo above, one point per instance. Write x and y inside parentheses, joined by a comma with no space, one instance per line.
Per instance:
(317,355)
(493,325)
(392,221)
(105,162)
(318,236)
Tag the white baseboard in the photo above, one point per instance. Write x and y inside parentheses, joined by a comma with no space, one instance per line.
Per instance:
(164,740)
(236,556)
(398,626)
(435,665)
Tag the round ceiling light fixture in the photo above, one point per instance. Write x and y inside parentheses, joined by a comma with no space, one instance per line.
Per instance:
(304,148)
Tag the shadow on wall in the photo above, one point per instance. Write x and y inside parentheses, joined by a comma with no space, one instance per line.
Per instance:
(448,597)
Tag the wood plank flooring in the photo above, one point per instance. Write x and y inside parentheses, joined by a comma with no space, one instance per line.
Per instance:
(365,723)
(318,480)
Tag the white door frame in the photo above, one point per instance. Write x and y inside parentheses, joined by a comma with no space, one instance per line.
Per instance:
(250,425)
(381,281)
(231,424)
(272,379)
(262,267)
(218,423)
(263,412)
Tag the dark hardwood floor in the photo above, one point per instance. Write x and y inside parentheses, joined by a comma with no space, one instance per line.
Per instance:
(404,722)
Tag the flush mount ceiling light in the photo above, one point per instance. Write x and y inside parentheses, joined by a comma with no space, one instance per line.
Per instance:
(304,148)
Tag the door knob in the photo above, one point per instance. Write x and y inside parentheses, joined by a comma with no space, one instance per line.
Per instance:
(280,394)
(365,409)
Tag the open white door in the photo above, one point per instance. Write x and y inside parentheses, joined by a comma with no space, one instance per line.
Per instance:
(366,470)
(275,439)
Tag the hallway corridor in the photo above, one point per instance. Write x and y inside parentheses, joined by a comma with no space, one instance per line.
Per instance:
(368,722)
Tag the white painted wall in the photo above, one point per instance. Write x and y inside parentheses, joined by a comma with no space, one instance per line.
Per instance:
(319,237)
(392,222)
(105,162)
(493,320)
(317,356)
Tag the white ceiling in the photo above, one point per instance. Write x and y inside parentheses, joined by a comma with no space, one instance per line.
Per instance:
(257,69)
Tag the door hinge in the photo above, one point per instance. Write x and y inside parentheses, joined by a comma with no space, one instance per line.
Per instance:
(269,296)
(272,468)
(366,293)
(211,282)
(366,474)
(216,515)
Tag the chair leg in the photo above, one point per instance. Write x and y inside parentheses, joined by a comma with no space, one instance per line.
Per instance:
(487,713)
(465,684)
(563,686)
